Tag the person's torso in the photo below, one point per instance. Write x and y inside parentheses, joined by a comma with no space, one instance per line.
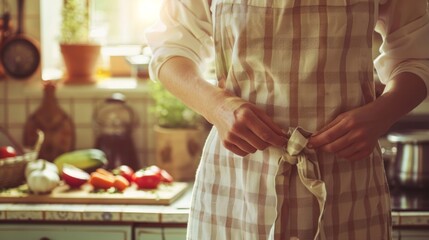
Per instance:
(302,61)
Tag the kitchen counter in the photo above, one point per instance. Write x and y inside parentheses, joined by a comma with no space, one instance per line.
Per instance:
(176,213)
(140,222)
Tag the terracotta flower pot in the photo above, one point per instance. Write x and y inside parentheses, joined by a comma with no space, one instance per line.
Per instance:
(81,62)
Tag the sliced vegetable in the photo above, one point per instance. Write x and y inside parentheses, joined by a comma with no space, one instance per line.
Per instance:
(125,171)
(100,180)
(121,183)
(147,179)
(73,176)
(104,172)
(166,177)
(162,173)
(7,152)
(154,169)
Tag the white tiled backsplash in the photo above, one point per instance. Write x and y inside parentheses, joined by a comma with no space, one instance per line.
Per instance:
(18,100)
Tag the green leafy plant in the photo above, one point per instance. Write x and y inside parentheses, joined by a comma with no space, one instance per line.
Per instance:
(170,112)
(75,22)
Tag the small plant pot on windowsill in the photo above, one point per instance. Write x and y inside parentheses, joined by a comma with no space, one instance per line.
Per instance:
(80,61)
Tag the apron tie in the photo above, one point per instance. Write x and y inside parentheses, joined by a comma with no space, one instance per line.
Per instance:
(308,171)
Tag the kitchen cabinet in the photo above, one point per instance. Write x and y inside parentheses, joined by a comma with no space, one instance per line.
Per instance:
(174,233)
(166,233)
(65,232)
(148,233)
(413,234)
(395,235)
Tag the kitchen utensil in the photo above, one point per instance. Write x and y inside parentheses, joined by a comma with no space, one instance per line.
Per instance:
(412,158)
(5,30)
(57,126)
(114,121)
(20,55)
(389,155)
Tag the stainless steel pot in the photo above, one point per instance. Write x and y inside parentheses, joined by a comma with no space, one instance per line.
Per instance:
(412,158)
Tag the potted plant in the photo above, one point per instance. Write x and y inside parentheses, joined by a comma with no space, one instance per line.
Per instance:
(80,55)
(180,134)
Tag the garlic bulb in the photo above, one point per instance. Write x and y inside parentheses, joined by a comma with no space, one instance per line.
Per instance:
(38,165)
(42,180)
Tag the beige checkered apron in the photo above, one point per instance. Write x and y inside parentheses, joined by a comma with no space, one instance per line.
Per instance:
(303,62)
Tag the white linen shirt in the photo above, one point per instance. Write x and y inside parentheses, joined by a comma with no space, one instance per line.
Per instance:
(404,26)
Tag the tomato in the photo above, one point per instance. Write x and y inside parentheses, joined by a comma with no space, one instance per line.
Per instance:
(146,179)
(7,152)
(163,174)
(166,177)
(154,169)
(125,171)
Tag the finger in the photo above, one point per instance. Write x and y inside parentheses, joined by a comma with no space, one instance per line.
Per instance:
(269,122)
(241,135)
(327,126)
(329,135)
(340,144)
(236,150)
(355,151)
(363,150)
(265,133)
(253,139)
(241,144)
(349,151)
(268,136)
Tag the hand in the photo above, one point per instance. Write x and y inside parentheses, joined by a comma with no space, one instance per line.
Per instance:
(244,128)
(352,135)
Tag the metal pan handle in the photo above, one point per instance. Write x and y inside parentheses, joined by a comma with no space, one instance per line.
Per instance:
(20,29)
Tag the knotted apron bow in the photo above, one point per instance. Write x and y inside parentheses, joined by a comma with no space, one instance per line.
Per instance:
(308,170)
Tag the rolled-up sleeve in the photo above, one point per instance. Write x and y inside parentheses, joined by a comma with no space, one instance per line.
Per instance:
(404,27)
(184,29)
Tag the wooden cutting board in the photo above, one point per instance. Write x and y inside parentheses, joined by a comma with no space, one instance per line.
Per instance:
(164,195)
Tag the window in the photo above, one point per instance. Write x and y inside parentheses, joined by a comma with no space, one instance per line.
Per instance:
(121,22)
(113,23)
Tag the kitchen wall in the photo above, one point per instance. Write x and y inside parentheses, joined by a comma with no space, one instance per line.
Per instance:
(19,99)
